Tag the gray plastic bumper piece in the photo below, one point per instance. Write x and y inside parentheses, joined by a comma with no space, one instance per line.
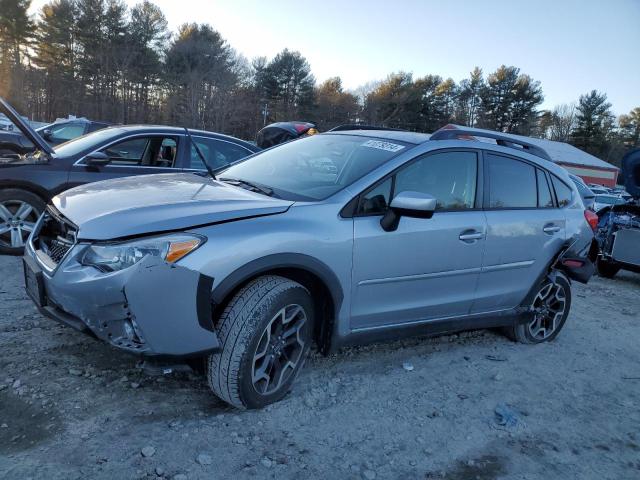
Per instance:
(170,308)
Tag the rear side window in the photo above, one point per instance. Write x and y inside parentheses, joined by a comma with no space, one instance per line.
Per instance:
(512,184)
(545,200)
(563,192)
(217,153)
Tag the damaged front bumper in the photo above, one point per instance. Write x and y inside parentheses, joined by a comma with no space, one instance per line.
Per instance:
(153,308)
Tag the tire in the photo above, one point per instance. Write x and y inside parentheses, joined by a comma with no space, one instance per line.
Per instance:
(19,211)
(249,332)
(607,269)
(545,325)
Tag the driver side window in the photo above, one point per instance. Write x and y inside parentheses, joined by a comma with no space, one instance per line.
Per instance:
(451,177)
(156,151)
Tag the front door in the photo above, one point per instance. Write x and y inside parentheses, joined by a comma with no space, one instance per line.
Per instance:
(137,155)
(427,268)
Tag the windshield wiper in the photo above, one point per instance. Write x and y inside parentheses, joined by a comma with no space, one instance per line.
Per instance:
(195,145)
(250,186)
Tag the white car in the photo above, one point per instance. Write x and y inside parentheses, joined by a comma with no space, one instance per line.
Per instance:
(606,200)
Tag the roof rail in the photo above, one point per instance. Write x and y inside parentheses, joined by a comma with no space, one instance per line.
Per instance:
(360,126)
(451,132)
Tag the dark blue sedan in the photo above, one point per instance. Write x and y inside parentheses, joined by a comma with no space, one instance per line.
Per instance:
(29,181)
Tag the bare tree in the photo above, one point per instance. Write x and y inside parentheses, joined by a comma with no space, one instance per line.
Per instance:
(562,121)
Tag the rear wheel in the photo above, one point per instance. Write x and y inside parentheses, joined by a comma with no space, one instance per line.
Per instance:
(19,211)
(550,309)
(607,269)
(266,333)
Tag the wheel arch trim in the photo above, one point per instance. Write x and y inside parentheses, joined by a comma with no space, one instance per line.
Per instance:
(27,187)
(281,261)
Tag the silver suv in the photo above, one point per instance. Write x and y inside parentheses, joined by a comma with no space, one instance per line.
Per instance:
(337,239)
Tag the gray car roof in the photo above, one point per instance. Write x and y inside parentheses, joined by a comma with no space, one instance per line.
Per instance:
(176,131)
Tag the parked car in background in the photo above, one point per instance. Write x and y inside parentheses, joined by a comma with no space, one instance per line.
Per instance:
(15,142)
(622,193)
(618,232)
(599,189)
(606,200)
(65,130)
(29,181)
(588,197)
(338,238)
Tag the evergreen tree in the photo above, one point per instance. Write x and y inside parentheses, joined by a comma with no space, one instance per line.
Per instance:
(16,33)
(147,37)
(200,77)
(509,101)
(334,106)
(630,128)
(469,99)
(56,57)
(288,85)
(593,123)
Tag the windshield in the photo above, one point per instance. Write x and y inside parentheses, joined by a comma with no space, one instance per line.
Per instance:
(86,142)
(314,168)
(609,199)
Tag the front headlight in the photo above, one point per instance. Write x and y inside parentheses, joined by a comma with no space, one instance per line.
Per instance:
(110,257)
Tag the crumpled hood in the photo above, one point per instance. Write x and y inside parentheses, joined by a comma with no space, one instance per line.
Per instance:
(143,204)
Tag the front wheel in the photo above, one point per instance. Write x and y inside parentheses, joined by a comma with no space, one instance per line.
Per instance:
(550,309)
(266,333)
(19,211)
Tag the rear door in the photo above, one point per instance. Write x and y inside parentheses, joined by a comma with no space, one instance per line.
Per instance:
(217,152)
(133,155)
(427,268)
(525,231)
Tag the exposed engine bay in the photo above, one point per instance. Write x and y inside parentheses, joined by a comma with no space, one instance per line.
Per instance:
(618,232)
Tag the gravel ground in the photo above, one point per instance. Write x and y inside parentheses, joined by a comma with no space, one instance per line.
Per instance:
(71,407)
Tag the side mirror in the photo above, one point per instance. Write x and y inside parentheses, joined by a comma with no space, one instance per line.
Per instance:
(97,159)
(408,204)
(47,134)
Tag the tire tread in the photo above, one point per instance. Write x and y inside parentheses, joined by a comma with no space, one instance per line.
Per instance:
(236,328)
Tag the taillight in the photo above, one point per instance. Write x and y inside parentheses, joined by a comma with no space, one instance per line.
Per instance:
(592,219)
(572,263)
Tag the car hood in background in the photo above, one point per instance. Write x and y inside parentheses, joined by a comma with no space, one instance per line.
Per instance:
(146,204)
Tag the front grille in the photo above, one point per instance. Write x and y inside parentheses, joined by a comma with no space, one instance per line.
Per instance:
(55,237)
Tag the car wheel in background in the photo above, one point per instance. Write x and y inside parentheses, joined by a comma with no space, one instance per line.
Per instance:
(19,211)
(607,269)
(266,333)
(551,305)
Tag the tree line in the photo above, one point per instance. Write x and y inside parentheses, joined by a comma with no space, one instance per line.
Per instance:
(105,61)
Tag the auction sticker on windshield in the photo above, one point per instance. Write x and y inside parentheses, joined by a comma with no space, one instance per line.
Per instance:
(389,147)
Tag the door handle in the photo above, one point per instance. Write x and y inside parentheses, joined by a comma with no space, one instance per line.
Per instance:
(551,229)
(471,236)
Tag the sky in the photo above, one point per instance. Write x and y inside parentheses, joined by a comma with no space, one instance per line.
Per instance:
(570,46)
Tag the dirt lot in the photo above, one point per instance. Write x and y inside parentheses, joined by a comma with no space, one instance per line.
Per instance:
(71,407)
